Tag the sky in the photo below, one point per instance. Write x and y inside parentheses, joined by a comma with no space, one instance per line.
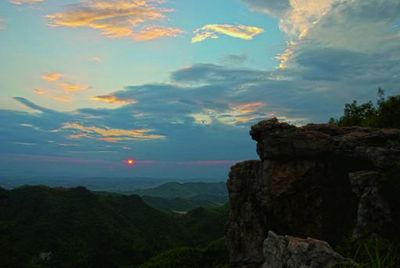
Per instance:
(176,84)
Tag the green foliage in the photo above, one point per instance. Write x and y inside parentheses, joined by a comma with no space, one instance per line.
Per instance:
(205,224)
(82,229)
(178,257)
(384,114)
(371,253)
(389,113)
(215,255)
(177,204)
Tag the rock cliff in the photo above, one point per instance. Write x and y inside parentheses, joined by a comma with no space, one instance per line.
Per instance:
(318,181)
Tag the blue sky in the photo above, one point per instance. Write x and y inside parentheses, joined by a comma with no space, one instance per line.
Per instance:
(85,85)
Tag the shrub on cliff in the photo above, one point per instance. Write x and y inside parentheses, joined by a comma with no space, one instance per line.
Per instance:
(384,114)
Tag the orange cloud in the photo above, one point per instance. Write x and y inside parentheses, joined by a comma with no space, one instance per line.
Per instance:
(113,99)
(236,114)
(21,2)
(116,19)
(155,32)
(51,77)
(110,134)
(287,55)
(237,31)
(71,87)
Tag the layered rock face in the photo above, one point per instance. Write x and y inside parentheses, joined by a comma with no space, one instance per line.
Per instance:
(318,181)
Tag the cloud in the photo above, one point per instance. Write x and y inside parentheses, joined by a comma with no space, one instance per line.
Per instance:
(235,114)
(32,105)
(237,31)
(109,134)
(52,77)
(113,100)
(270,7)
(234,59)
(60,87)
(21,2)
(72,87)
(117,18)
(355,25)
(40,91)
(156,32)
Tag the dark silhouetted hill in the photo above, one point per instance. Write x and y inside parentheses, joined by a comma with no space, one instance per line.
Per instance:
(59,227)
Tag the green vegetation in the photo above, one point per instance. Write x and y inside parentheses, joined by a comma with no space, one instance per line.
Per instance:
(58,227)
(384,114)
(177,204)
(182,197)
(215,255)
(371,252)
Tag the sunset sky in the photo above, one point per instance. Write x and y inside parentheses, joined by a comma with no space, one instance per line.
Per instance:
(176,84)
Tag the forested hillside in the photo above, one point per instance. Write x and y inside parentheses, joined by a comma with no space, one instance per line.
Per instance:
(58,227)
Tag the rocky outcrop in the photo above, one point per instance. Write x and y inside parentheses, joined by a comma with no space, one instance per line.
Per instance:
(314,181)
(373,212)
(292,252)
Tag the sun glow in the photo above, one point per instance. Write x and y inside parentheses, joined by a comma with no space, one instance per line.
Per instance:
(130,162)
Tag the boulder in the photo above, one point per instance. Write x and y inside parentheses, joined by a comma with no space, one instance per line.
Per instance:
(294,252)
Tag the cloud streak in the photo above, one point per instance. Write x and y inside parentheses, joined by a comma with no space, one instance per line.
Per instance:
(109,134)
(117,18)
(52,77)
(111,99)
(21,2)
(212,31)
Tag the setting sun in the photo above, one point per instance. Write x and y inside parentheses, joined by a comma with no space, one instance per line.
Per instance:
(130,162)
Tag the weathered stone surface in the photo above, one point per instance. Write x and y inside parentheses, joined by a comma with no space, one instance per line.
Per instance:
(303,186)
(293,252)
(373,214)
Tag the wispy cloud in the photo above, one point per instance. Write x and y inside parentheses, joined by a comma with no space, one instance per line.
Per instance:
(235,114)
(21,2)
(112,99)
(156,32)
(40,91)
(60,87)
(214,30)
(109,134)
(52,77)
(117,18)
(72,87)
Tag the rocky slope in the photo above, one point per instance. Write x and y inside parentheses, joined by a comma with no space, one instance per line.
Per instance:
(318,181)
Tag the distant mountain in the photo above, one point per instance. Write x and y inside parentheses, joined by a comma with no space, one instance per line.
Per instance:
(58,227)
(107,184)
(211,191)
